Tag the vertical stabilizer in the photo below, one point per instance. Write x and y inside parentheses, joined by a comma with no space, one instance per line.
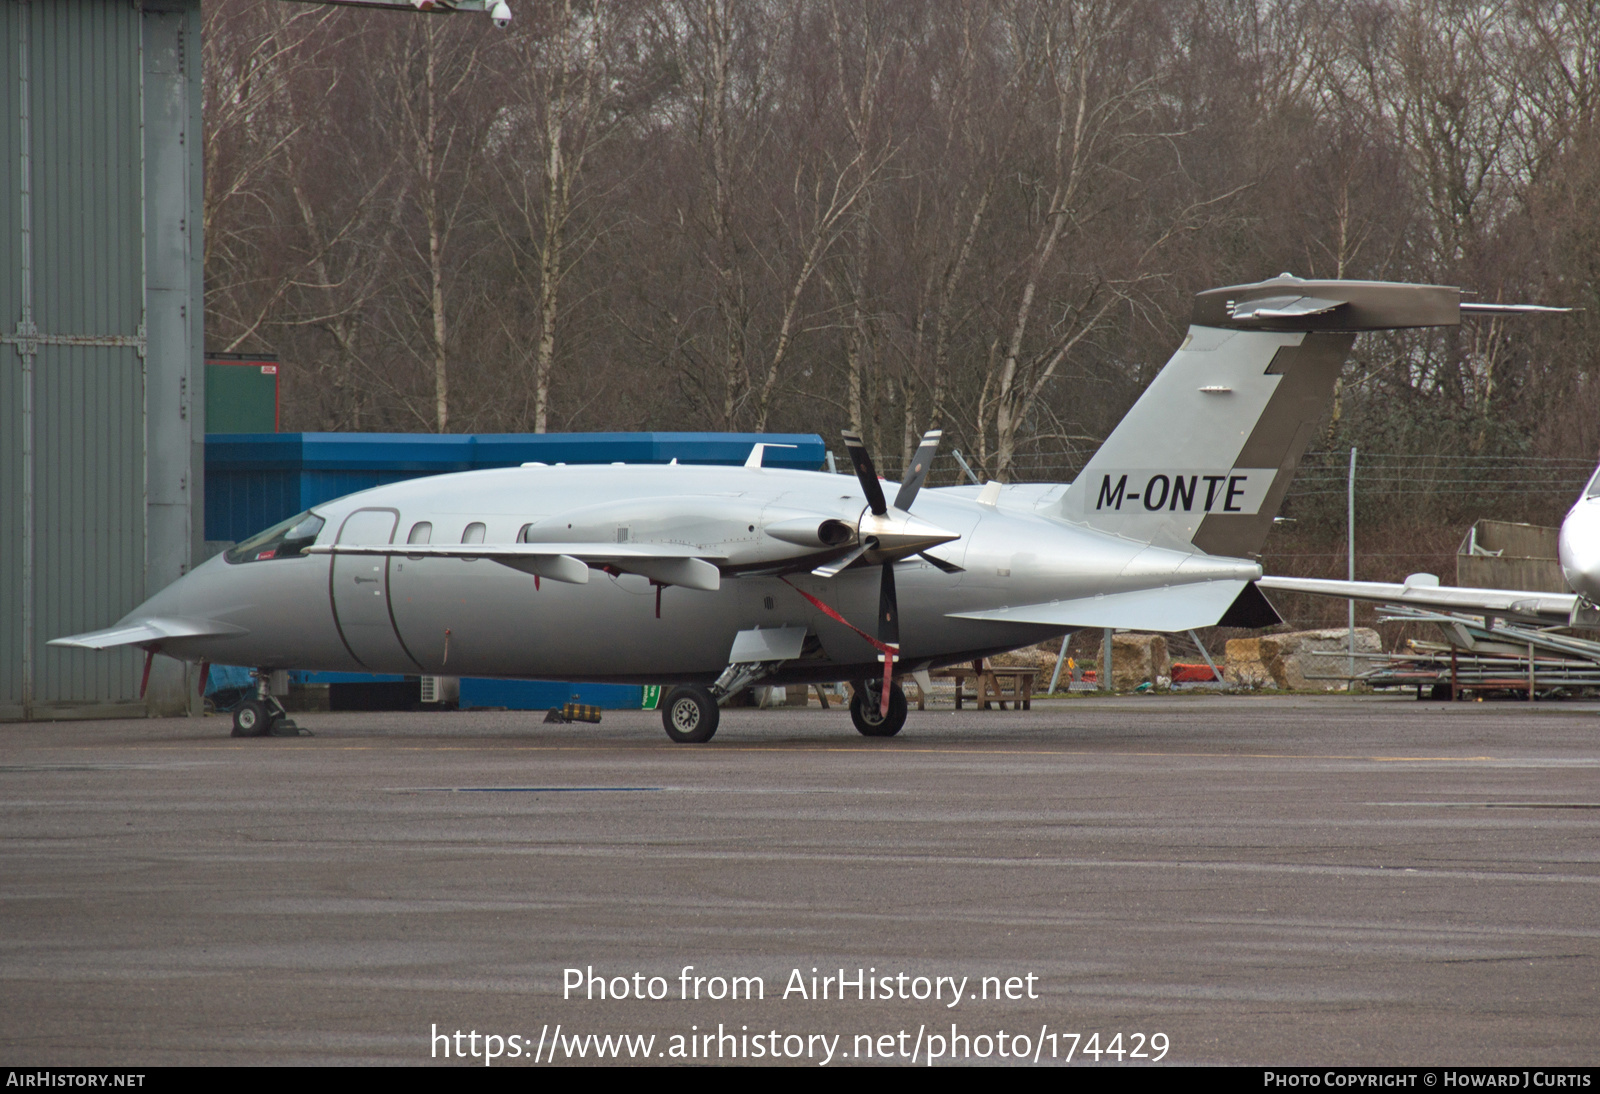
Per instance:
(1205,457)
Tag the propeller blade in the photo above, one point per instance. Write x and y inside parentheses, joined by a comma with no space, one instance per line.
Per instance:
(888,632)
(894,536)
(866,472)
(918,474)
(839,565)
(939,563)
(888,608)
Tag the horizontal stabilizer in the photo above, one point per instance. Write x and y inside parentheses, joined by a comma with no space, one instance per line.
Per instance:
(147,632)
(665,563)
(1282,307)
(1552,608)
(1289,303)
(1174,608)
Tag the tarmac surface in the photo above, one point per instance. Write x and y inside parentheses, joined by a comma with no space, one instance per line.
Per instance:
(1287,880)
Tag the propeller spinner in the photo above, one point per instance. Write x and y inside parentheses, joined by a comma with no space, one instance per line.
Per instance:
(887,535)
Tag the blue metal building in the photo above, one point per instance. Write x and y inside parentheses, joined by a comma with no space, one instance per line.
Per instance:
(254,480)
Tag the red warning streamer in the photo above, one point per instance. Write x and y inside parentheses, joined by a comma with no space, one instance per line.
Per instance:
(890,653)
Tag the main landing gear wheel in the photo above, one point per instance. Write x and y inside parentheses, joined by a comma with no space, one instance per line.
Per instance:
(864,710)
(252,718)
(690,715)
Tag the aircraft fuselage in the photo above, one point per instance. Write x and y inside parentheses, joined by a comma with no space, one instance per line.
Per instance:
(476,617)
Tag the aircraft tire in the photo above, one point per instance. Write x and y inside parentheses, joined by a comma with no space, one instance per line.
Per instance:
(864,711)
(252,718)
(690,715)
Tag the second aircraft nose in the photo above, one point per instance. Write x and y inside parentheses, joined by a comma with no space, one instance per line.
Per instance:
(1580,548)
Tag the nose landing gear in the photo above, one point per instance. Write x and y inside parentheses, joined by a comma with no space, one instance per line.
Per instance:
(264,716)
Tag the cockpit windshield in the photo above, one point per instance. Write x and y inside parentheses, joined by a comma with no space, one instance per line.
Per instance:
(286,540)
(1593,489)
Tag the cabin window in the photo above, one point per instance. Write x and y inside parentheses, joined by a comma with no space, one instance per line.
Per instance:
(286,540)
(474,533)
(421,532)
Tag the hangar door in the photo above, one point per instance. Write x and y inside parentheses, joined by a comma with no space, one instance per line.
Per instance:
(100,314)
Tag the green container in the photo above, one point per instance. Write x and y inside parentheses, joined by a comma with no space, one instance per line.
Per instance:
(241,394)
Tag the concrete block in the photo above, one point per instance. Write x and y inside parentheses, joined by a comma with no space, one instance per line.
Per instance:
(1293,661)
(1138,659)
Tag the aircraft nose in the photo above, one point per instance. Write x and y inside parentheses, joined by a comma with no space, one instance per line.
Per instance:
(198,599)
(1580,548)
(166,601)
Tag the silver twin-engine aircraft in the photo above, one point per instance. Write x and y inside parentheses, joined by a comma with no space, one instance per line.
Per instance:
(712,578)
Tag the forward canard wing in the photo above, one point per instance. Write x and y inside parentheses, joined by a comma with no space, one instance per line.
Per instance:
(144,632)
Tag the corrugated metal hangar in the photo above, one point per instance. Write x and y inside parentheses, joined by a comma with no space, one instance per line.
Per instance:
(101,391)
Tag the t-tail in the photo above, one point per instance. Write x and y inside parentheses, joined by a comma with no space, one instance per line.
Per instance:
(1205,457)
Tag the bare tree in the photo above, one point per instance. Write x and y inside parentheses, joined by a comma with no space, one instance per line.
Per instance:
(432,77)
(806,213)
(1095,107)
(250,53)
(574,83)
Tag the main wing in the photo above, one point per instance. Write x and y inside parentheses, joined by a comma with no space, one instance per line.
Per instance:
(666,563)
(1550,609)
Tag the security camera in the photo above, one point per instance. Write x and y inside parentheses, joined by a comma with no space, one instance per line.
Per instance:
(500,14)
